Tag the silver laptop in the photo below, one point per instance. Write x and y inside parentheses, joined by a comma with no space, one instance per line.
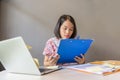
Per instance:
(16,58)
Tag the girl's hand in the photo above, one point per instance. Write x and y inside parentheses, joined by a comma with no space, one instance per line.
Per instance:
(51,60)
(80,60)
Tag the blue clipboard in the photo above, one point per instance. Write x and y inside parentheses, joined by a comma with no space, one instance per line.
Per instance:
(69,48)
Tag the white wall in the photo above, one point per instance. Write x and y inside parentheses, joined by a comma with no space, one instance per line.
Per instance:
(35,20)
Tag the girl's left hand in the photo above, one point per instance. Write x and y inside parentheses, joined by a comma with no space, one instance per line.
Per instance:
(80,60)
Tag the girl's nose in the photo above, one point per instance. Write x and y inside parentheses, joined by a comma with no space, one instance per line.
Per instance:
(67,31)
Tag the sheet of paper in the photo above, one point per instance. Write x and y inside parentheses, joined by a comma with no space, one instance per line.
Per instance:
(92,68)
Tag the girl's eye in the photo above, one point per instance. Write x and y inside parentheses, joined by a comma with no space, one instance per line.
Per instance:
(65,28)
(71,29)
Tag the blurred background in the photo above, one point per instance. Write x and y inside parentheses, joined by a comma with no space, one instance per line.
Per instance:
(35,20)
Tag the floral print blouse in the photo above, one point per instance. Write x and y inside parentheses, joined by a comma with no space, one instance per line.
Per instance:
(51,46)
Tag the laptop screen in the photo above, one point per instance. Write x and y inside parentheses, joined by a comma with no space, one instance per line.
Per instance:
(16,58)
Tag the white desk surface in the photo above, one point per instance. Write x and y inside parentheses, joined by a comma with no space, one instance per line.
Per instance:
(64,74)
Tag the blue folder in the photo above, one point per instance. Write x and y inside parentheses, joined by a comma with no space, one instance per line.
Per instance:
(69,48)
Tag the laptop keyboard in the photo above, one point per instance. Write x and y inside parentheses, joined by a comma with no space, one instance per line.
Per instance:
(44,69)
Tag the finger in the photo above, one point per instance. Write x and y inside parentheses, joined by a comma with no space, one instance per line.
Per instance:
(53,61)
(80,60)
(54,55)
(57,57)
(54,58)
(46,58)
(77,57)
(50,58)
(82,55)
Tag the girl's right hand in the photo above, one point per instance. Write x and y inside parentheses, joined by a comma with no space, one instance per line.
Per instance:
(51,60)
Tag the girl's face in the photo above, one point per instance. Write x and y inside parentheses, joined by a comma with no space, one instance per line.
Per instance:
(66,29)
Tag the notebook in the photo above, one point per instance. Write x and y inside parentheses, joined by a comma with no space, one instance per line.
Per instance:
(69,48)
(16,58)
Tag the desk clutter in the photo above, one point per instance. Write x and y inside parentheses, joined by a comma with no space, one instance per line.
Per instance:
(98,67)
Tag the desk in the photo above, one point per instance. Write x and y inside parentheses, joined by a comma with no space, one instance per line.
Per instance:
(64,74)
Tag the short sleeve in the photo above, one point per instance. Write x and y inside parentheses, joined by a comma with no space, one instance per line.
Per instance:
(50,47)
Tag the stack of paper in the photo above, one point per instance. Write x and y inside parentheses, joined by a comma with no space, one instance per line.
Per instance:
(104,69)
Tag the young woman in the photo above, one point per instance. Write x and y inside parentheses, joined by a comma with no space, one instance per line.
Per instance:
(65,28)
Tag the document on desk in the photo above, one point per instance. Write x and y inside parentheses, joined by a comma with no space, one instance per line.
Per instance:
(95,68)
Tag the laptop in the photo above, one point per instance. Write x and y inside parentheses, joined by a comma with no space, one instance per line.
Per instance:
(69,48)
(16,58)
